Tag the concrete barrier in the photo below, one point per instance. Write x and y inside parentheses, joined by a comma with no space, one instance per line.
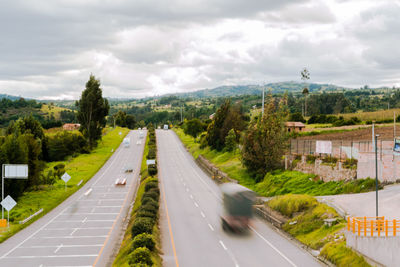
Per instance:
(383,250)
(213,171)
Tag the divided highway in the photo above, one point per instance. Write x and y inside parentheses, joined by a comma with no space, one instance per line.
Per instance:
(84,229)
(190,225)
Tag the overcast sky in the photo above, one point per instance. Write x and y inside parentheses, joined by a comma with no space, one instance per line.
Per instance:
(137,48)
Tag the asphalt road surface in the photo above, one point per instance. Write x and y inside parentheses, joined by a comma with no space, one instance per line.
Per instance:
(364,204)
(85,228)
(190,224)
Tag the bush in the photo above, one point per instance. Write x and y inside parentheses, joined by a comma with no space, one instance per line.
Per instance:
(152,195)
(151,154)
(143,240)
(142,225)
(155,190)
(290,204)
(150,185)
(149,207)
(140,255)
(146,214)
(148,199)
(152,169)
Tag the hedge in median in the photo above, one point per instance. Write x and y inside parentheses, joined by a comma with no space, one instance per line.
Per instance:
(140,255)
(144,240)
(142,225)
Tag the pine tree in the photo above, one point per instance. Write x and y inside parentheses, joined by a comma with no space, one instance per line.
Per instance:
(92,111)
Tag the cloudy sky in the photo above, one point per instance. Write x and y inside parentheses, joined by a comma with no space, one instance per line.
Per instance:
(137,48)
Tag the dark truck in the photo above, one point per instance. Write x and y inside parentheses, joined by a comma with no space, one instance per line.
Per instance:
(237,207)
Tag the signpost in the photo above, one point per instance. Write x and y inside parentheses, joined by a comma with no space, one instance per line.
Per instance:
(150,161)
(12,171)
(8,203)
(65,178)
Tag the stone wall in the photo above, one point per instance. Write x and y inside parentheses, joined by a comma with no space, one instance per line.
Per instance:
(326,172)
(213,171)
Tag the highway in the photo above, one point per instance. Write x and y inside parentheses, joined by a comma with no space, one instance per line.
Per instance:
(190,224)
(85,229)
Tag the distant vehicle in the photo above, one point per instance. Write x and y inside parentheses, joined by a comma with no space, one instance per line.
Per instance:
(128,168)
(144,128)
(165,126)
(139,142)
(139,128)
(237,207)
(141,135)
(120,181)
(126,141)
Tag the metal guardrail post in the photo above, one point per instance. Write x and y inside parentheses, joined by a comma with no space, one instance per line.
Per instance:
(394,227)
(365,226)
(386,228)
(372,228)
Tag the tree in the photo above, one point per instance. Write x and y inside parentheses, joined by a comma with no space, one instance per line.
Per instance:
(193,127)
(296,117)
(225,119)
(305,76)
(120,118)
(92,111)
(265,141)
(230,141)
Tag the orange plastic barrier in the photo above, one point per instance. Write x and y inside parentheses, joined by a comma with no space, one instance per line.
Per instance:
(372,226)
(3,223)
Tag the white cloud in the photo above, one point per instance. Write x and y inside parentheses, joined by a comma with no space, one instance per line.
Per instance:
(144,47)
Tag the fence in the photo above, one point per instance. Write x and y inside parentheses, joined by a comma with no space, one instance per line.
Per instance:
(372,226)
(342,149)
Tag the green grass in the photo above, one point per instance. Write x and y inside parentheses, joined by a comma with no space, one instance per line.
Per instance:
(122,257)
(82,167)
(307,219)
(275,183)
(342,256)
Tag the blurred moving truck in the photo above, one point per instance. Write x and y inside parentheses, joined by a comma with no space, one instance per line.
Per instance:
(237,207)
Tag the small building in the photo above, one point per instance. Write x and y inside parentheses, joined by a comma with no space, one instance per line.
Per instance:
(294,126)
(71,126)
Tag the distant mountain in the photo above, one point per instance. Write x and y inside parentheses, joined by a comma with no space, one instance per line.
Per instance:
(281,87)
(11,97)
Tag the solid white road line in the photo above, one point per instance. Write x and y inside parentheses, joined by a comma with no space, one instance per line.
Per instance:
(65,246)
(53,256)
(273,247)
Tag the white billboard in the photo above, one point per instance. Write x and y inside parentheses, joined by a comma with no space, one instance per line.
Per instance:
(323,147)
(16,171)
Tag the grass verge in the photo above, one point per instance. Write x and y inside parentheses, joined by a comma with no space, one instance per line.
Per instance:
(123,256)
(275,183)
(82,167)
(307,225)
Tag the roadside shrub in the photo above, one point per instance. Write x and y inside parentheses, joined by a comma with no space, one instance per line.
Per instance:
(146,200)
(140,255)
(149,207)
(150,185)
(350,163)
(151,154)
(143,240)
(310,159)
(142,225)
(156,190)
(152,169)
(146,214)
(152,195)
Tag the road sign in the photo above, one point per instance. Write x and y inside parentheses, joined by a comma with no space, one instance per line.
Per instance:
(16,171)
(65,177)
(8,203)
(150,161)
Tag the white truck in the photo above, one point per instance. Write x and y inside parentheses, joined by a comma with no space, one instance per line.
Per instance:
(165,126)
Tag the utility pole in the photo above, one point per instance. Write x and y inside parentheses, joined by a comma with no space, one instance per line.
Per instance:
(376,172)
(181,113)
(394,125)
(262,111)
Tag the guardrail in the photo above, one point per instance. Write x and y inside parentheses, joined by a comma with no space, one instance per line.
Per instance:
(373,226)
(30,217)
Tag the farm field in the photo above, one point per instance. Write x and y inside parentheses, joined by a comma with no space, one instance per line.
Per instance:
(352,133)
